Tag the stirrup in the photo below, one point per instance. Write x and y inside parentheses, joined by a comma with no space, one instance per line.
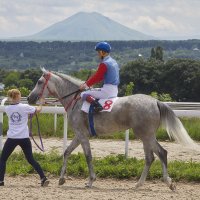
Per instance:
(97,106)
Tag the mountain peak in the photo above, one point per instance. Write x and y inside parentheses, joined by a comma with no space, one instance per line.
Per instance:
(84,26)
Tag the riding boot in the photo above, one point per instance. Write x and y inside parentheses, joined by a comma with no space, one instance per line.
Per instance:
(97,106)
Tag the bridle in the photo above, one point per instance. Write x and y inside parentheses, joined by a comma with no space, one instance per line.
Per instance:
(47,77)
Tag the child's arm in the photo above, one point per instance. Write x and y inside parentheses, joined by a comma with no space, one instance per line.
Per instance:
(39,108)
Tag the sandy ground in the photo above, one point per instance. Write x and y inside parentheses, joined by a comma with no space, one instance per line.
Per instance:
(103,189)
(102,148)
(107,189)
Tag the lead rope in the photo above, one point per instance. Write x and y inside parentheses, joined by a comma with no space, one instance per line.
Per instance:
(39,134)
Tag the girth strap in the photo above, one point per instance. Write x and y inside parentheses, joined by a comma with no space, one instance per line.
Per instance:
(91,121)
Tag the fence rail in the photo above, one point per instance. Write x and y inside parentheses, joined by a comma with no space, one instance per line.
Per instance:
(173,105)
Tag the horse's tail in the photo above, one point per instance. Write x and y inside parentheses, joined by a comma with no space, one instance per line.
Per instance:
(174,127)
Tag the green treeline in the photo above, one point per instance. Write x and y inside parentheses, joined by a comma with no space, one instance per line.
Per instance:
(72,56)
(153,67)
(180,78)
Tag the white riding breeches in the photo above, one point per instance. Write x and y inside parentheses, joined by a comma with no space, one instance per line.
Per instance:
(107,91)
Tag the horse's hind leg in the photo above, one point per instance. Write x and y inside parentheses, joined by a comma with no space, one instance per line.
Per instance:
(149,158)
(162,154)
(75,142)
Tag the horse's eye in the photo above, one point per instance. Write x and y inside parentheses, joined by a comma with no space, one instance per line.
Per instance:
(39,82)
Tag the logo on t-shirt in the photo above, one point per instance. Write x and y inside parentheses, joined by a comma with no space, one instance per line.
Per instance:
(15,117)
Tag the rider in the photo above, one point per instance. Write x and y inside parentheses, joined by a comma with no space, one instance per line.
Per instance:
(108,72)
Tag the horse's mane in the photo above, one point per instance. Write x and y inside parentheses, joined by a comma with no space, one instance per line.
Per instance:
(71,79)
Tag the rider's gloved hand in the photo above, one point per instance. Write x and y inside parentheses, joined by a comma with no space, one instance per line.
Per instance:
(83,87)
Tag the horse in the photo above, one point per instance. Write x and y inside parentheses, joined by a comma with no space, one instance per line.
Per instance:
(143,113)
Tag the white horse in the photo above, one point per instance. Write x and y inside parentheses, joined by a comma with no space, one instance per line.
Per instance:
(142,113)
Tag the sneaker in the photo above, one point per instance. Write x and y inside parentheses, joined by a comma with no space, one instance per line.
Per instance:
(44,182)
(1,183)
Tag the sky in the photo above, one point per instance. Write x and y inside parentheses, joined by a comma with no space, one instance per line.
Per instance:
(159,18)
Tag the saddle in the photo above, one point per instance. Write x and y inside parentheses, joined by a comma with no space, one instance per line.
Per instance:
(107,105)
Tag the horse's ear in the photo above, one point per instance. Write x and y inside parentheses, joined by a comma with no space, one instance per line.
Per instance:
(43,70)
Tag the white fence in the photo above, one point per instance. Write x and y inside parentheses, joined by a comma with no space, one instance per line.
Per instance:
(181,109)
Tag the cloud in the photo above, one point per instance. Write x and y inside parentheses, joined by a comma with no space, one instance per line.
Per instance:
(157,24)
(155,17)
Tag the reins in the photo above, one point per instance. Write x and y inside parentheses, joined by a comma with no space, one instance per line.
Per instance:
(74,99)
(66,96)
(39,134)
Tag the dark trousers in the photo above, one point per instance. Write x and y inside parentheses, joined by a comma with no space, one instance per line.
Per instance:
(26,146)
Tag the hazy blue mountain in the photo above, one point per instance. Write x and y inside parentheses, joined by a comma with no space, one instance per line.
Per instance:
(88,27)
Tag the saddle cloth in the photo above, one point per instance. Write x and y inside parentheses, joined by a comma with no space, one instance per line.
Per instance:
(107,105)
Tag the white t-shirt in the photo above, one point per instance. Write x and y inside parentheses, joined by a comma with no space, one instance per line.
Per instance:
(18,120)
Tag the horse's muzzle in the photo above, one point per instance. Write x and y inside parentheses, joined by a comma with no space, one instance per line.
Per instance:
(32,99)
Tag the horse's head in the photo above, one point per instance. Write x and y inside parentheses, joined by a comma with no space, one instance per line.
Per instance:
(42,88)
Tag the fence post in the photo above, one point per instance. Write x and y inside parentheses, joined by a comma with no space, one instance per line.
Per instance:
(1,124)
(65,133)
(126,143)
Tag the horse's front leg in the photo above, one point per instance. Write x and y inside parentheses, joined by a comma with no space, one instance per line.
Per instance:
(75,142)
(87,151)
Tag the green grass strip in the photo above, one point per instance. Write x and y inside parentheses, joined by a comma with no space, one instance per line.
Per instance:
(108,167)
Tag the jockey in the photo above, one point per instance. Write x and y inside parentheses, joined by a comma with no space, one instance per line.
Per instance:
(108,72)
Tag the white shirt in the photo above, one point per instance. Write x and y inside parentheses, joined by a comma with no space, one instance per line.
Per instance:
(18,119)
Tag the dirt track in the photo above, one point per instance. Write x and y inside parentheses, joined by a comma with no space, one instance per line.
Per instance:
(103,189)
(102,148)
(25,188)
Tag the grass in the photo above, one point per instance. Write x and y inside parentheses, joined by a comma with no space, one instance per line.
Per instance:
(192,126)
(108,167)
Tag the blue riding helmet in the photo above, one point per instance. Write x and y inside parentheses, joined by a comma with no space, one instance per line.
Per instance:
(103,46)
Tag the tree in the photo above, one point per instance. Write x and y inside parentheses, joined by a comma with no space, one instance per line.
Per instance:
(144,74)
(24,91)
(181,79)
(82,74)
(161,97)
(32,74)
(11,79)
(129,89)
(159,53)
(153,53)
(27,83)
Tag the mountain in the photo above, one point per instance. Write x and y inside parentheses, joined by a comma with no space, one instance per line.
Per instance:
(87,27)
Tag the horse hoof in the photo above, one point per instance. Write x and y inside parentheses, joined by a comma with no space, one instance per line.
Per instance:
(172,187)
(87,185)
(61,181)
(138,185)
